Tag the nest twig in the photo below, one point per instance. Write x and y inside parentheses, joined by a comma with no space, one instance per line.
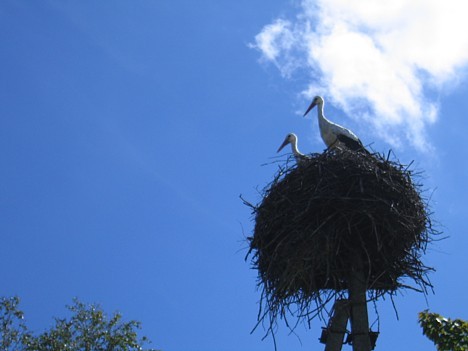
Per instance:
(316,218)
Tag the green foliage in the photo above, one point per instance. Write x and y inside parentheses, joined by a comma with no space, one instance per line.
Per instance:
(87,329)
(13,329)
(447,334)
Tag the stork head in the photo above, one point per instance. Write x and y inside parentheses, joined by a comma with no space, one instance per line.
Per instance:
(291,138)
(318,100)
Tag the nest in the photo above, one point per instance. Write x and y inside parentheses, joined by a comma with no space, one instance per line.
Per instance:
(318,219)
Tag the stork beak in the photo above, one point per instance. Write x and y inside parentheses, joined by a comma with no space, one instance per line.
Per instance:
(312,105)
(285,142)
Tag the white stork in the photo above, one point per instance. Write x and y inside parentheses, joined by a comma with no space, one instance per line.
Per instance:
(334,135)
(291,138)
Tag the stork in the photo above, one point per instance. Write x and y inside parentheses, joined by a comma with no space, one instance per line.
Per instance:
(291,138)
(334,135)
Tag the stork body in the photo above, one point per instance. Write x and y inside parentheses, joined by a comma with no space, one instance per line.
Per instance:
(291,138)
(334,135)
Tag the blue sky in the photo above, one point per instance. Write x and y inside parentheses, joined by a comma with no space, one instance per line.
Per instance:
(129,129)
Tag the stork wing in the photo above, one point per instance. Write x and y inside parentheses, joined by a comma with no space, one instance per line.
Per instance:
(355,145)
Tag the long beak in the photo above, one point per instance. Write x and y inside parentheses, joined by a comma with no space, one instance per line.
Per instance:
(312,105)
(285,142)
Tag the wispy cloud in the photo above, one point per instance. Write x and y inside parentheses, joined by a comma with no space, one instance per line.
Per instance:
(379,62)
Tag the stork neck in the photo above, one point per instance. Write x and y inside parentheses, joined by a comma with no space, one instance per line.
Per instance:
(294,149)
(320,114)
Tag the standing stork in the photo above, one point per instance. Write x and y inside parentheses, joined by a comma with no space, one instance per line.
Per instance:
(334,135)
(291,138)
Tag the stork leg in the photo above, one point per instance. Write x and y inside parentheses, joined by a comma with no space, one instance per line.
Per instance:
(332,145)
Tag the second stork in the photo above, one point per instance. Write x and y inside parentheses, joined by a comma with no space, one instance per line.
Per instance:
(291,138)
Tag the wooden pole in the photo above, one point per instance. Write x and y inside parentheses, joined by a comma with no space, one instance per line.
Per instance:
(357,288)
(337,326)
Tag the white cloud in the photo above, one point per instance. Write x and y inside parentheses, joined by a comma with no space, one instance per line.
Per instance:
(272,39)
(376,60)
(277,43)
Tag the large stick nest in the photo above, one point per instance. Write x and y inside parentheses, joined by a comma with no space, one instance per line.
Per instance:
(317,218)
